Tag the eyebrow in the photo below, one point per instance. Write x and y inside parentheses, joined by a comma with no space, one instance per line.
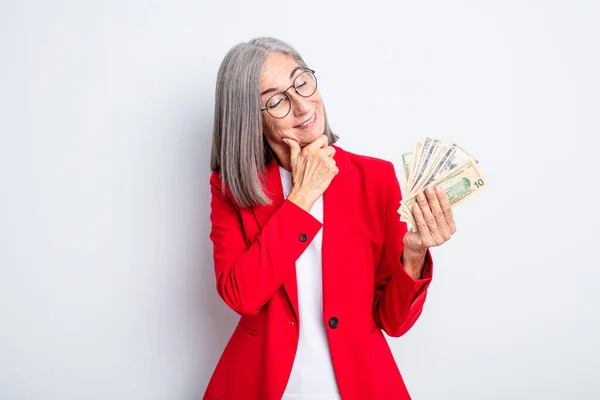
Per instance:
(291,76)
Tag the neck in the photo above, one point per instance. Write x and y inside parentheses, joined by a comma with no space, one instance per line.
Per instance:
(282,159)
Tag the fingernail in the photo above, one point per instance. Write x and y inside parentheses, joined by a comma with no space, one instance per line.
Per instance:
(421,196)
(439,189)
(429,189)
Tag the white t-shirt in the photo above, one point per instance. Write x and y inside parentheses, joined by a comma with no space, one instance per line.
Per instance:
(312,376)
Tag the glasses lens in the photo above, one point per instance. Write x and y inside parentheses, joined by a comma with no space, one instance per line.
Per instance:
(306,84)
(278,105)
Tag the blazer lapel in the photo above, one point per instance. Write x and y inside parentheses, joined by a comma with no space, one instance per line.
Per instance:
(336,224)
(337,230)
(272,185)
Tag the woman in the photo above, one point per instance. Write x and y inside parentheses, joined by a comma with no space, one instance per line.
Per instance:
(308,246)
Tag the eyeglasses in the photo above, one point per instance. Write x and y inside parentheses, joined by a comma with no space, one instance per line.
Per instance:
(279,105)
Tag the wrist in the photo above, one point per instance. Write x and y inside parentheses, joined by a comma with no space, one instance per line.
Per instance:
(410,253)
(413,260)
(301,199)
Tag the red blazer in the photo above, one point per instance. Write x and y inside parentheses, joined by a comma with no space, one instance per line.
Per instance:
(365,287)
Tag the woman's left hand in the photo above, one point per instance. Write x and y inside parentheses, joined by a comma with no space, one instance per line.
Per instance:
(435,223)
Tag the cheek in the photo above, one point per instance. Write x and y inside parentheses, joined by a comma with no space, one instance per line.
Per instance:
(319,104)
(275,128)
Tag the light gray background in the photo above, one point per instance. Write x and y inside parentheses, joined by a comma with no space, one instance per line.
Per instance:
(106,281)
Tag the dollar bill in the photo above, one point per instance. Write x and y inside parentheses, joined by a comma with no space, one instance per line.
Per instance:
(406,215)
(431,165)
(406,160)
(425,158)
(459,184)
(416,154)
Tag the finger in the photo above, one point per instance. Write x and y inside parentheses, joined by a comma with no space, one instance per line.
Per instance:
(326,152)
(330,151)
(428,217)
(412,239)
(446,208)
(294,148)
(422,228)
(438,214)
(316,144)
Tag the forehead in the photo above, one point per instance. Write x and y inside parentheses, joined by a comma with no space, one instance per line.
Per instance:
(276,71)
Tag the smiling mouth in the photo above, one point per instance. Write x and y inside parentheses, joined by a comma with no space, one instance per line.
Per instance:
(308,123)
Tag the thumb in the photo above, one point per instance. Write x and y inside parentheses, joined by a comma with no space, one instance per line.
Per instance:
(294,148)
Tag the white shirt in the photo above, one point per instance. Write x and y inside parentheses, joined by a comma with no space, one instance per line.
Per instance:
(312,376)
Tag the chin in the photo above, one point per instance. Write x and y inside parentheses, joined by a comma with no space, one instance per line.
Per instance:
(307,136)
(311,136)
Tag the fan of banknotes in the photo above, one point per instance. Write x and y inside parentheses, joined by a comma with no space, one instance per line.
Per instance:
(438,163)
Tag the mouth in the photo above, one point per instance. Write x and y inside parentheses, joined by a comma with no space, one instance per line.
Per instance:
(308,123)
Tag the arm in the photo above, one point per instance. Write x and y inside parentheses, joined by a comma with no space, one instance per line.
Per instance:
(399,297)
(247,277)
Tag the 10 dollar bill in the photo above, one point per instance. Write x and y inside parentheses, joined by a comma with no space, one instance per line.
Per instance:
(459,184)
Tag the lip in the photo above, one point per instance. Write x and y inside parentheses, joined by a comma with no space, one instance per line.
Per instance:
(311,121)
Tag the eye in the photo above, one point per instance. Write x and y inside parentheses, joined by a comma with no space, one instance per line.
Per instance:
(300,83)
(276,101)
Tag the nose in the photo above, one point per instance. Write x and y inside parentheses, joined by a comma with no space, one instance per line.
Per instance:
(300,105)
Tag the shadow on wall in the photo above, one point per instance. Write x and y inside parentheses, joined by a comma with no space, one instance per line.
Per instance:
(213,321)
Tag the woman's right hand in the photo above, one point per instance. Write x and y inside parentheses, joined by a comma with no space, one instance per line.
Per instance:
(313,169)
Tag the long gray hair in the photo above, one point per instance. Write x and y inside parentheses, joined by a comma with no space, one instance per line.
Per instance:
(240,151)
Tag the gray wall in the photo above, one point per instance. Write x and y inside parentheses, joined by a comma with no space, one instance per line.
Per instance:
(106,280)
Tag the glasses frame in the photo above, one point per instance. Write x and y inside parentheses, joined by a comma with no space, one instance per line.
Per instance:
(266,108)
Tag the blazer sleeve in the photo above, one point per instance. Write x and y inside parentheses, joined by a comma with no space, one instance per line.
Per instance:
(248,276)
(399,298)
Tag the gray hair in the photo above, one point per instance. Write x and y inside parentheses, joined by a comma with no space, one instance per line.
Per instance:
(240,151)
